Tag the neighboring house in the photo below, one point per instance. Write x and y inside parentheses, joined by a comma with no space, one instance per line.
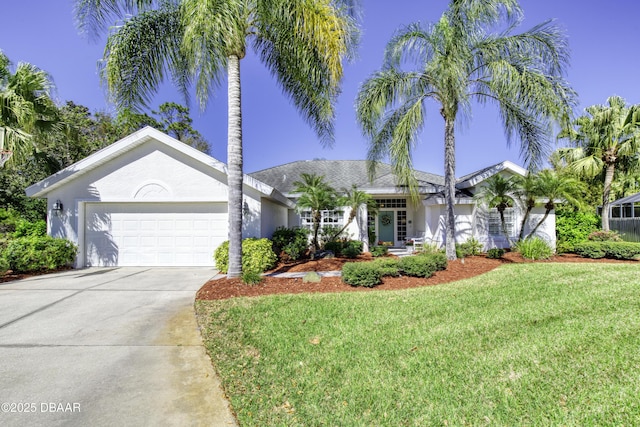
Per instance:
(399,218)
(150,200)
(624,217)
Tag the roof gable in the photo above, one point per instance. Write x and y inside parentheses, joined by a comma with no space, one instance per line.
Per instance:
(475,178)
(130,142)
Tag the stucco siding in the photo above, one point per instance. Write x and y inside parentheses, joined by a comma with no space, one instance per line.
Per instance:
(273,216)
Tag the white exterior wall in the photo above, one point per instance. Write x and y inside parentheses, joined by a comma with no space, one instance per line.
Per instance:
(151,172)
(273,216)
(547,231)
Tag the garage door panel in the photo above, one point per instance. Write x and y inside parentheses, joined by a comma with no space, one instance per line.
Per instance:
(153,234)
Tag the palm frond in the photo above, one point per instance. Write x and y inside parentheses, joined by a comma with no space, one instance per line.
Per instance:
(139,53)
(304,45)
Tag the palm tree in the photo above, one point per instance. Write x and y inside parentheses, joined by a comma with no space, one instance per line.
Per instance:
(605,138)
(302,43)
(354,198)
(315,195)
(556,187)
(459,60)
(526,194)
(26,107)
(499,192)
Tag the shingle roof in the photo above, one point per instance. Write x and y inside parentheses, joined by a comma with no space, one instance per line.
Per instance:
(340,174)
(634,198)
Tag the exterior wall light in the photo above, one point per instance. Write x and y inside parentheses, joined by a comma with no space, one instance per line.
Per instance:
(57,208)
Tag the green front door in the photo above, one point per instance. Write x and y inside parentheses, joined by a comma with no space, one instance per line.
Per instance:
(386,227)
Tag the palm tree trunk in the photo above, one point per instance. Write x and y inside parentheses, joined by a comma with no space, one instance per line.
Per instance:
(352,216)
(317,218)
(544,218)
(608,179)
(234,166)
(450,187)
(524,222)
(503,224)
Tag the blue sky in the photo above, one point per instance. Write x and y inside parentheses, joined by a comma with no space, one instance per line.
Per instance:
(603,37)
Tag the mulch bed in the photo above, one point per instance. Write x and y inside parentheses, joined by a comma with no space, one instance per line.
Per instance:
(456,270)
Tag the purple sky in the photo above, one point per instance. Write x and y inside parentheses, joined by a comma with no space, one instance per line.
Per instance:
(603,37)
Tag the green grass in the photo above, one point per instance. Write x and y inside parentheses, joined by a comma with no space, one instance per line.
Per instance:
(526,344)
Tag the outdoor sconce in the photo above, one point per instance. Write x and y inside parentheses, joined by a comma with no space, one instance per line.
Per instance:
(57,208)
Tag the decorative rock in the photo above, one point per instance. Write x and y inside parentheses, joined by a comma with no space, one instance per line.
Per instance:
(311,277)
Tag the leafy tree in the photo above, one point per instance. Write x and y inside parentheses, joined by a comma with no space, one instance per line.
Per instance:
(499,192)
(315,195)
(26,107)
(458,60)
(175,121)
(606,138)
(302,43)
(128,121)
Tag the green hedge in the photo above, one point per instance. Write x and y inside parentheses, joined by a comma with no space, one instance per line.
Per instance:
(423,265)
(365,274)
(38,253)
(257,255)
(608,249)
(370,273)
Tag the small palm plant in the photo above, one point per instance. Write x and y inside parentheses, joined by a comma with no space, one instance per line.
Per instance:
(315,195)
(499,193)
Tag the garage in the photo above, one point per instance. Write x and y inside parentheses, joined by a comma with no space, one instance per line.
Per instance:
(151,200)
(153,234)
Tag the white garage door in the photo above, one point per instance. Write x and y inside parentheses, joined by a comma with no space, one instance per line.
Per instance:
(153,234)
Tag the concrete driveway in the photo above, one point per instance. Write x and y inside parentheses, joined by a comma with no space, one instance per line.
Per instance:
(105,347)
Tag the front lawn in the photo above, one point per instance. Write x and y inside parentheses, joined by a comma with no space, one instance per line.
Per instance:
(526,344)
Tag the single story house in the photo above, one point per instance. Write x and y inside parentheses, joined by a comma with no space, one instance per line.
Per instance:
(150,200)
(398,218)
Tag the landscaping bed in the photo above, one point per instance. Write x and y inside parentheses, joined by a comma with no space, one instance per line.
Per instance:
(456,270)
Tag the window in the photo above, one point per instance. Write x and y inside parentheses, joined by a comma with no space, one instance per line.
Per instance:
(391,203)
(495,226)
(402,225)
(329,218)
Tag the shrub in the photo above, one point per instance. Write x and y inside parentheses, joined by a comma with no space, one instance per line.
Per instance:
(26,228)
(352,248)
(534,248)
(8,220)
(221,257)
(251,277)
(436,259)
(292,241)
(366,274)
(469,248)
(423,265)
(388,266)
(573,227)
(604,236)
(377,251)
(38,253)
(495,253)
(608,249)
(335,246)
(257,255)
(622,250)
